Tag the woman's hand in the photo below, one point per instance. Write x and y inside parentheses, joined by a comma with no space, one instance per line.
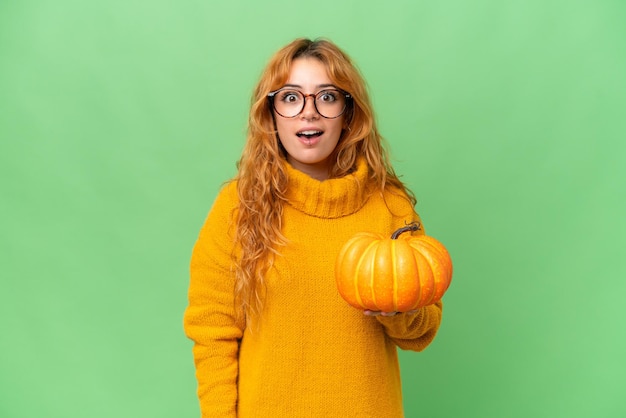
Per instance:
(376,313)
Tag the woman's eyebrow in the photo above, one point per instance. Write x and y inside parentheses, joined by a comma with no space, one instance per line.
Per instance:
(319,86)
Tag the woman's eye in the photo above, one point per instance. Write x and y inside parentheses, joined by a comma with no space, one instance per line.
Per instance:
(289,97)
(328,96)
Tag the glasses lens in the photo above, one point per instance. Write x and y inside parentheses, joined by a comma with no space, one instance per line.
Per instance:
(288,103)
(328,103)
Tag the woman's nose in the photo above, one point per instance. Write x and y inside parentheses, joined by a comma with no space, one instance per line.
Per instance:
(309,111)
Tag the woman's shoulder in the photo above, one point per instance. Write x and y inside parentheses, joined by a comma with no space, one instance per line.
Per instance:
(396,200)
(226,201)
(397,196)
(227,194)
(222,213)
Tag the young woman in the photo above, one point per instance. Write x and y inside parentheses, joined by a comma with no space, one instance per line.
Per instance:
(272,336)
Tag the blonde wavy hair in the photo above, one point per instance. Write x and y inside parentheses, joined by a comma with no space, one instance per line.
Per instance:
(262,179)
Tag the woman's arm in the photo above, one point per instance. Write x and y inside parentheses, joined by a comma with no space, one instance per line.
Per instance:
(413,331)
(209,319)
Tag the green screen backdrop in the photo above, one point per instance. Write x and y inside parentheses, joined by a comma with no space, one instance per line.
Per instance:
(119,120)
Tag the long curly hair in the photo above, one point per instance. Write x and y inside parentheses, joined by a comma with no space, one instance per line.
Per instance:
(262,178)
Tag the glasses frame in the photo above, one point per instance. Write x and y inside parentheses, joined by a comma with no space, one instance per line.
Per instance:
(271,95)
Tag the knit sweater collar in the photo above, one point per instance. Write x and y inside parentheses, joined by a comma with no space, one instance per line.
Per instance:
(332,198)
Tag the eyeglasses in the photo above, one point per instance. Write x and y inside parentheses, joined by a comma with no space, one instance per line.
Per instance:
(329,103)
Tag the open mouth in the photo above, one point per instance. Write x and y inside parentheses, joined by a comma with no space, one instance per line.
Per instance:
(309,134)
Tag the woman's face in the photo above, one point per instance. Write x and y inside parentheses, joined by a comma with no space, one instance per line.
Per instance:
(309,138)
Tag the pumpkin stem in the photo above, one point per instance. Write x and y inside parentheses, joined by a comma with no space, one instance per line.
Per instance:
(413,226)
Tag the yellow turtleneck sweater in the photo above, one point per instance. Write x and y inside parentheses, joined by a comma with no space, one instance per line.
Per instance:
(310,354)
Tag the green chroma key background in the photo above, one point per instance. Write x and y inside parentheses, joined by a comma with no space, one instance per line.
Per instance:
(119,120)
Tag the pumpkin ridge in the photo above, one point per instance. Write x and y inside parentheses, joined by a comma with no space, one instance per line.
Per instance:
(420,289)
(357,270)
(427,279)
(439,263)
(439,259)
(394,275)
(372,278)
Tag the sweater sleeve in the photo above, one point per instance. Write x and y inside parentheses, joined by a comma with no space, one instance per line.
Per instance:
(413,331)
(209,320)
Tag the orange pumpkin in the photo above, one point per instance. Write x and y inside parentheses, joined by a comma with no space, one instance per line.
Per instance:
(396,274)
